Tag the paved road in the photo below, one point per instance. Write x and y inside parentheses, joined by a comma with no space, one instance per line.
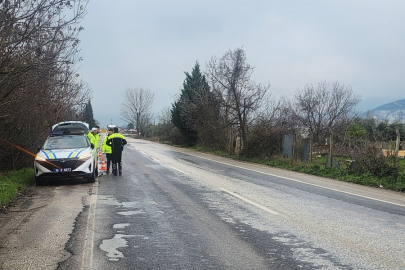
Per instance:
(176,209)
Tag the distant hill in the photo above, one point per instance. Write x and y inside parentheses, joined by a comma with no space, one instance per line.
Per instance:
(393,112)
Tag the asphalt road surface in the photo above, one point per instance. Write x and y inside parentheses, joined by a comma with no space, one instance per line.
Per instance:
(178,209)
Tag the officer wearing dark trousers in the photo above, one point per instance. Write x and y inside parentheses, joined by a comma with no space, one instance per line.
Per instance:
(117,142)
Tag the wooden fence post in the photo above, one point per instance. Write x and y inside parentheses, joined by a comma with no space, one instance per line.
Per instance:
(397,145)
(310,146)
(330,148)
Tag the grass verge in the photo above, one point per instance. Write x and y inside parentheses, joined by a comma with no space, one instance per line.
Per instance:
(318,168)
(13,182)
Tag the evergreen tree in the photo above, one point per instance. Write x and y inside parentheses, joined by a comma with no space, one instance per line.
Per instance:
(182,113)
(88,115)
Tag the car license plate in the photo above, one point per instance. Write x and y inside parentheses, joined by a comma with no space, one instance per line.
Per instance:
(62,170)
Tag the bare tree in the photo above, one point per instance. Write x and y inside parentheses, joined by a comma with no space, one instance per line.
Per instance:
(136,107)
(37,39)
(270,122)
(230,79)
(163,130)
(38,82)
(165,116)
(319,108)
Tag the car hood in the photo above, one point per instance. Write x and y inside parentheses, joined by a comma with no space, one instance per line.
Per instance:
(64,153)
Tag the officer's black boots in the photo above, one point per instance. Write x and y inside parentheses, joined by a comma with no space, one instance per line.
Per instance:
(114,169)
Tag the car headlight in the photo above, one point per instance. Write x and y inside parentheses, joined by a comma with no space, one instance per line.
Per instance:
(85,156)
(38,158)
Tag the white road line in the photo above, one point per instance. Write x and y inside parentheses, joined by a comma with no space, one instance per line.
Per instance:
(87,256)
(152,158)
(142,152)
(295,180)
(178,170)
(251,202)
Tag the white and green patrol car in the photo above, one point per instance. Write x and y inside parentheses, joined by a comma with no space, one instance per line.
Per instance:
(66,153)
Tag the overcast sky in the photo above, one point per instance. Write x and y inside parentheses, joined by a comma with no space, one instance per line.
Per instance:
(151,43)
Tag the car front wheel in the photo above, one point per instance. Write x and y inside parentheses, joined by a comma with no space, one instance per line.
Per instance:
(39,181)
(93,176)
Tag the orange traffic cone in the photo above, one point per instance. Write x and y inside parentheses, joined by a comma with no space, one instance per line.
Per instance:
(103,166)
(100,154)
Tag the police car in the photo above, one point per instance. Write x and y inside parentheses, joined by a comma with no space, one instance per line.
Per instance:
(67,152)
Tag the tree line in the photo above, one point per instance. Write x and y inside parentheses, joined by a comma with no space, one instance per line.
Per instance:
(223,103)
(222,108)
(39,81)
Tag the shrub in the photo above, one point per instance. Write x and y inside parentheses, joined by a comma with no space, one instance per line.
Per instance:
(379,166)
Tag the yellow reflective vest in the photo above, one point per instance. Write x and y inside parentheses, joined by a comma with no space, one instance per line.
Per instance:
(106,148)
(93,139)
(97,136)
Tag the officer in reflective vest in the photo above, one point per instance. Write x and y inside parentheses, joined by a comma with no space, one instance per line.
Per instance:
(92,137)
(97,136)
(107,149)
(117,142)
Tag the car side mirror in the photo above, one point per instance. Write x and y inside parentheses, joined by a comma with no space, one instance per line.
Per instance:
(38,148)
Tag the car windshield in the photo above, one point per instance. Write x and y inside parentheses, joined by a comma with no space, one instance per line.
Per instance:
(71,127)
(66,142)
